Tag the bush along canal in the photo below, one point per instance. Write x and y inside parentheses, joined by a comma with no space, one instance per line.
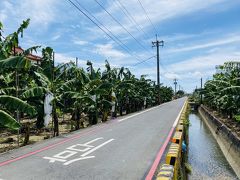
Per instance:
(205,156)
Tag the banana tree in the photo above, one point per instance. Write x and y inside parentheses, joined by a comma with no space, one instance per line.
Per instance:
(10,103)
(223,92)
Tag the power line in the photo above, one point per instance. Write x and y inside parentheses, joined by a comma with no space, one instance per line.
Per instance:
(97,25)
(120,42)
(120,24)
(148,17)
(130,17)
(144,60)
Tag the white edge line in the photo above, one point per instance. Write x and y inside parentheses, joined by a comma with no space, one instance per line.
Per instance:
(176,121)
(142,112)
(94,149)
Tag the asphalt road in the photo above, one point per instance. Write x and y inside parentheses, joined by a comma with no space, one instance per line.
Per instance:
(123,148)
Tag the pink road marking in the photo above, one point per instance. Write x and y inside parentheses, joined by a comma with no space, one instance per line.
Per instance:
(162,149)
(51,146)
(159,156)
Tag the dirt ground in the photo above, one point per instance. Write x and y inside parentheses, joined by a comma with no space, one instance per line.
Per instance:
(9,139)
(230,123)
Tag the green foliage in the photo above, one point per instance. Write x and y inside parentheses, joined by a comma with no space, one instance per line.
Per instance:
(223,91)
(13,103)
(8,121)
(237,117)
(74,89)
(14,63)
(34,92)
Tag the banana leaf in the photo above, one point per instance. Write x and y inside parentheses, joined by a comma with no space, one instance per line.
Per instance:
(34,92)
(8,121)
(14,62)
(13,103)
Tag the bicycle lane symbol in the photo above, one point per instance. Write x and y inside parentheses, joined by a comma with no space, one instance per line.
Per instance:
(86,149)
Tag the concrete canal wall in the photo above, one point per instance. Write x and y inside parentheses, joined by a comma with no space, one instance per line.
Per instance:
(228,141)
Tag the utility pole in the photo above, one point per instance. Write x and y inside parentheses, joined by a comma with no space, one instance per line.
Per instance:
(201,91)
(175,83)
(76,62)
(158,43)
(17,89)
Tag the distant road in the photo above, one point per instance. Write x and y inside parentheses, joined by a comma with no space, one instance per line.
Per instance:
(123,148)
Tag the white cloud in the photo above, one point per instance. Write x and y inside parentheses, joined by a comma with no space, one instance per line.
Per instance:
(6,6)
(56,37)
(203,63)
(3,16)
(108,51)
(41,12)
(217,42)
(79,42)
(158,12)
(63,58)
(171,76)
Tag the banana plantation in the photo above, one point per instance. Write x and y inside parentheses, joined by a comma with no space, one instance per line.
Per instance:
(31,92)
(222,93)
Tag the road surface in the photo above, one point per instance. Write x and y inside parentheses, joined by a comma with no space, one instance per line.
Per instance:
(123,148)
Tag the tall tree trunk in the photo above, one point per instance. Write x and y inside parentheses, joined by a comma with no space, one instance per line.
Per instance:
(77,119)
(104,116)
(94,118)
(27,133)
(121,110)
(55,121)
(40,118)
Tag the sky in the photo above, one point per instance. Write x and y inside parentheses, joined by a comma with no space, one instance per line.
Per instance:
(197,34)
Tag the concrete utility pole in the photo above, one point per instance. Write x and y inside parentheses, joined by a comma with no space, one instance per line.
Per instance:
(201,91)
(175,83)
(76,62)
(157,44)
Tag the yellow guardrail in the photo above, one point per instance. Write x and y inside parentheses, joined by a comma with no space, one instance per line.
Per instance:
(172,158)
(166,172)
(169,171)
(179,128)
(177,138)
(181,121)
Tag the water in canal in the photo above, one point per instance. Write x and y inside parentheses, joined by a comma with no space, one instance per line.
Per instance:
(205,156)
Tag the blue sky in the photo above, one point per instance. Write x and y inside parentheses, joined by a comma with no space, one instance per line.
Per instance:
(198,34)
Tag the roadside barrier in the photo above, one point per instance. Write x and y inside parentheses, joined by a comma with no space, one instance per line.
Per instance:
(170,170)
(166,172)
(179,128)
(173,157)
(181,122)
(177,138)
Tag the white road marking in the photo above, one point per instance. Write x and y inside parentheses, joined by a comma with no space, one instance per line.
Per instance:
(176,121)
(93,141)
(52,159)
(74,147)
(74,160)
(142,112)
(77,148)
(99,146)
(66,153)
